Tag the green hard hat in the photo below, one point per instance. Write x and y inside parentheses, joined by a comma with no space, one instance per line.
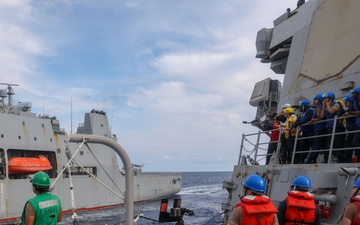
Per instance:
(41,179)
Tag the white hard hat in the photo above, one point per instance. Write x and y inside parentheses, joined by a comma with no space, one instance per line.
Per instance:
(286,105)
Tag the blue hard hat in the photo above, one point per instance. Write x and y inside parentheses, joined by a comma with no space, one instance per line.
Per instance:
(256,183)
(357,183)
(329,94)
(348,98)
(301,181)
(304,102)
(318,96)
(356,90)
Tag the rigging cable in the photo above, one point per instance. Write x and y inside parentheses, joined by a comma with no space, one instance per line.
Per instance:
(86,144)
(102,183)
(67,164)
(74,215)
(103,168)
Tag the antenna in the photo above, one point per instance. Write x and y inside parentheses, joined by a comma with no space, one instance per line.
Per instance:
(43,96)
(10,91)
(112,116)
(71,122)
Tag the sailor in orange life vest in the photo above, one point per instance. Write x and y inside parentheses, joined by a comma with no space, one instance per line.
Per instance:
(254,207)
(299,206)
(352,210)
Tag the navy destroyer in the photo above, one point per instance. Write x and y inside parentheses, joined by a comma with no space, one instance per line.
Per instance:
(84,174)
(316,47)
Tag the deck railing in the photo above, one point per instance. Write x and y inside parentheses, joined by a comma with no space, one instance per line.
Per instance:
(256,140)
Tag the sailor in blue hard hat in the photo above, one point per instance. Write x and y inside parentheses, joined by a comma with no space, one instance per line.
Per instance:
(254,188)
(303,205)
(349,113)
(307,130)
(319,141)
(331,109)
(356,103)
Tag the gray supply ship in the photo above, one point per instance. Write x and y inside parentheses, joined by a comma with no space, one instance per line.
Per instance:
(86,176)
(316,47)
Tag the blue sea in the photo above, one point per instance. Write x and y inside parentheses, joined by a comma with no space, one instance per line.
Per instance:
(201,192)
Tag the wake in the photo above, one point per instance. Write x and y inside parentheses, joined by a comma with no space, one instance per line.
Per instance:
(202,189)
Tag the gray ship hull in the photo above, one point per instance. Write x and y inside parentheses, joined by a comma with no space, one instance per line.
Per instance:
(25,135)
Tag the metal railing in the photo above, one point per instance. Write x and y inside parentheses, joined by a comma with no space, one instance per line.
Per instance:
(254,157)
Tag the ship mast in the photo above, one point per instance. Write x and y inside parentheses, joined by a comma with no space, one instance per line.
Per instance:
(10,92)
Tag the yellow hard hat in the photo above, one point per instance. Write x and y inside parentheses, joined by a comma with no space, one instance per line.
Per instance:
(289,110)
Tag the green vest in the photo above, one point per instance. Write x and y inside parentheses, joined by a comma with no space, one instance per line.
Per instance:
(46,207)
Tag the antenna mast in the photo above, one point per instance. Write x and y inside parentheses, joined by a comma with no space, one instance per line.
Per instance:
(10,92)
(71,125)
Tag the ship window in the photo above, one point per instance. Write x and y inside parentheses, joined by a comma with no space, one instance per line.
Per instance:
(34,138)
(43,159)
(80,171)
(50,139)
(2,164)
(2,136)
(58,150)
(19,137)
(81,152)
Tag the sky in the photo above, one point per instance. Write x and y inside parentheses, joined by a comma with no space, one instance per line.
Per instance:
(174,77)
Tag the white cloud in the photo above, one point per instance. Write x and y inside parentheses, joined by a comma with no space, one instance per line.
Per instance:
(176,77)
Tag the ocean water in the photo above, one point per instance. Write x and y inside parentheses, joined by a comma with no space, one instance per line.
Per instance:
(201,192)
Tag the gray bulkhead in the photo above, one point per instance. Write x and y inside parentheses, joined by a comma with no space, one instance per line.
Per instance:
(315,46)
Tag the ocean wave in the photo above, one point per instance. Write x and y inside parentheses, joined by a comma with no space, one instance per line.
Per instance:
(201,189)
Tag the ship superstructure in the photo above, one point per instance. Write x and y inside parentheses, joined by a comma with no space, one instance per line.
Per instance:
(29,143)
(315,46)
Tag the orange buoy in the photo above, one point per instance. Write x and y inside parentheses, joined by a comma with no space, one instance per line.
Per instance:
(28,165)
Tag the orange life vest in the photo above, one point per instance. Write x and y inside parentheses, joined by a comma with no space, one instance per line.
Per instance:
(356,219)
(300,208)
(257,210)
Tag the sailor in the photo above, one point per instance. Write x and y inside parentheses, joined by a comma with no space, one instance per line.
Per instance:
(274,138)
(273,125)
(45,208)
(319,141)
(352,210)
(307,130)
(289,133)
(299,206)
(356,103)
(280,116)
(350,126)
(254,207)
(331,108)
